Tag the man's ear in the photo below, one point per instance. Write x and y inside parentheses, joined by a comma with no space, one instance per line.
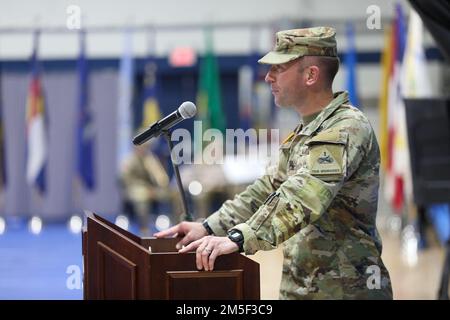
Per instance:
(312,75)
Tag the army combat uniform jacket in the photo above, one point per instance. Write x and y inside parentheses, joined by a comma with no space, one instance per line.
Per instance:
(320,202)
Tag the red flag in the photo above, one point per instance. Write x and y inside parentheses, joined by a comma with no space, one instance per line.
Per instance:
(397,155)
(37,144)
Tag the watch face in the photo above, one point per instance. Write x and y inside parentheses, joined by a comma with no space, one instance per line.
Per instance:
(236,236)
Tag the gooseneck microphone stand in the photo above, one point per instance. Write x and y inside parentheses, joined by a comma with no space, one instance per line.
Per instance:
(187,215)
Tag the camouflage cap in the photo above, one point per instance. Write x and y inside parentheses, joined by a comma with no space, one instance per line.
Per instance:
(296,43)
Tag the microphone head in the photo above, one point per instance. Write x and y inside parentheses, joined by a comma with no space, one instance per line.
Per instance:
(187,110)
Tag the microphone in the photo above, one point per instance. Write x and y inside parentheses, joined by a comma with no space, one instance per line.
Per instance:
(185,111)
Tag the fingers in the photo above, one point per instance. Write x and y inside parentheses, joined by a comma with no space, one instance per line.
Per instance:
(207,249)
(212,258)
(181,228)
(204,252)
(184,241)
(219,246)
(192,246)
(202,256)
(169,232)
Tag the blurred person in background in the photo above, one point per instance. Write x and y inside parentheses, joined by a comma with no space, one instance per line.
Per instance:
(145,183)
(320,200)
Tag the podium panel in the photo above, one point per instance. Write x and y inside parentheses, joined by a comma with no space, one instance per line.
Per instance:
(179,285)
(110,265)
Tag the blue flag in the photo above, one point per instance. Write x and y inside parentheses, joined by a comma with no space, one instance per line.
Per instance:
(350,61)
(85,132)
(124,115)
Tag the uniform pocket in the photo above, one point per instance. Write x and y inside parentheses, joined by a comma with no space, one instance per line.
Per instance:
(258,219)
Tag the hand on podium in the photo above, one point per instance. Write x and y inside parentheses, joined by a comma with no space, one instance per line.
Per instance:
(208,249)
(190,231)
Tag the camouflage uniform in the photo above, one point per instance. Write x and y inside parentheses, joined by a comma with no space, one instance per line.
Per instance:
(320,201)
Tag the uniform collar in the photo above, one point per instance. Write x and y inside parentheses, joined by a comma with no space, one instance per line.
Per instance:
(339,98)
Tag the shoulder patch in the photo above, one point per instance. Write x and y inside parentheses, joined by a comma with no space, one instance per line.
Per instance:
(325,159)
(327,154)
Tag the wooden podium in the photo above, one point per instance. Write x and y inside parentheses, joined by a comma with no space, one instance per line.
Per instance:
(121,265)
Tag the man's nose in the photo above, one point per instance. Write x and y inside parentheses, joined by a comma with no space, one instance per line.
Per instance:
(269,77)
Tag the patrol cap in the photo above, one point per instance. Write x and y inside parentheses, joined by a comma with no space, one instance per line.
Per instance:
(296,43)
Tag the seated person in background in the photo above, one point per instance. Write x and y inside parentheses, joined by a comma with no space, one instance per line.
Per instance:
(144,182)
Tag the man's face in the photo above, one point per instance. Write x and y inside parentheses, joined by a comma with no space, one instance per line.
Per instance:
(286,82)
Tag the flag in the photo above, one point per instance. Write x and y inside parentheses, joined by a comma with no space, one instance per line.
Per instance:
(246,93)
(209,100)
(124,116)
(3,178)
(350,62)
(415,84)
(397,156)
(85,130)
(416,81)
(150,111)
(36,126)
(386,66)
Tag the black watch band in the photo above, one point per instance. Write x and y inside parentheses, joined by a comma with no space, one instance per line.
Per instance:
(207,227)
(237,237)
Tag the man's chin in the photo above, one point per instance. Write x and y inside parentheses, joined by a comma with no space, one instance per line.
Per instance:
(280,104)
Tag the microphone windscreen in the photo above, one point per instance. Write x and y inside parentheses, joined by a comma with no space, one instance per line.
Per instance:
(187,110)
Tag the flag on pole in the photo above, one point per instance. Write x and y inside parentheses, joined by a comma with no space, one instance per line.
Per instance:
(209,99)
(150,111)
(397,156)
(350,61)
(124,116)
(386,65)
(415,84)
(36,126)
(85,130)
(246,94)
(416,81)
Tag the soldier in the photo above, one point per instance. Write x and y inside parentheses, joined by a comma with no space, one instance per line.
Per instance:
(320,200)
(144,181)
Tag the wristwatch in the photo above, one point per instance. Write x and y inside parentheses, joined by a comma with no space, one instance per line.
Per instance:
(207,227)
(237,237)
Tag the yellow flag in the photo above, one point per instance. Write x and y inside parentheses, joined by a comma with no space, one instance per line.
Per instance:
(386,63)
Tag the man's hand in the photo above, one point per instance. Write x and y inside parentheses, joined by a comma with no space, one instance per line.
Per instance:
(208,249)
(191,230)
